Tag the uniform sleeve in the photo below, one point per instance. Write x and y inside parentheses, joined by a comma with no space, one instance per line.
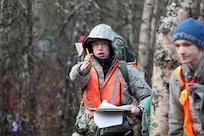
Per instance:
(176,113)
(80,79)
(138,85)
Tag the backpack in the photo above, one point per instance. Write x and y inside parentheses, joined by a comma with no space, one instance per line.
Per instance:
(124,53)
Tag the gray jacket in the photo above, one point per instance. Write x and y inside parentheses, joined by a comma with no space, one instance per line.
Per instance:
(176,113)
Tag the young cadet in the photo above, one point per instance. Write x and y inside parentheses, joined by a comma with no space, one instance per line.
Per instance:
(101,79)
(186,116)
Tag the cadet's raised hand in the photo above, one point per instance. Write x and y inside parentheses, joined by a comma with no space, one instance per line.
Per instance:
(87,63)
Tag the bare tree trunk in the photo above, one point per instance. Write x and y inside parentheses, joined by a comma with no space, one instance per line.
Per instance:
(164,62)
(152,41)
(4,51)
(145,33)
(1,28)
(2,114)
(29,94)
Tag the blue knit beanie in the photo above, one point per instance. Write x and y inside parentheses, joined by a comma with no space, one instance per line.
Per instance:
(191,30)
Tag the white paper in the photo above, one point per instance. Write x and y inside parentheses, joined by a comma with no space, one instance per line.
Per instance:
(109,115)
(108,119)
(105,106)
(116,108)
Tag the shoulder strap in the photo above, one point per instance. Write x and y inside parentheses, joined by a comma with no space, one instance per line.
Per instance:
(124,71)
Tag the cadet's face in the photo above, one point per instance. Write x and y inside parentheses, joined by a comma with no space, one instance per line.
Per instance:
(101,49)
(187,52)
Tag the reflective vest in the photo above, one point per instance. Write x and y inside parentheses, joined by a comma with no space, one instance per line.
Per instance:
(183,99)
(110,91)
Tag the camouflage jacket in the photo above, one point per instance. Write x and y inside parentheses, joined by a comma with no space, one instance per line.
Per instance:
(176,114)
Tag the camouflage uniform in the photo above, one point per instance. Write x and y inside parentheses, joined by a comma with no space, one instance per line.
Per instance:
(176,114)
(137,84)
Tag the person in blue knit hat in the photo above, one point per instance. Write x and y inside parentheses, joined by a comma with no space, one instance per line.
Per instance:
(186,86)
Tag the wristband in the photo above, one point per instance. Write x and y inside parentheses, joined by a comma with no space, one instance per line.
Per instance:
(139,116)
(141,110)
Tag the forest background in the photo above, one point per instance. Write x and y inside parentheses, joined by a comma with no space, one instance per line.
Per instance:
(37,52)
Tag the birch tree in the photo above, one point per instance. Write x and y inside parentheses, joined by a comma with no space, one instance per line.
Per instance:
(145,36)
(151,13)
(165,61)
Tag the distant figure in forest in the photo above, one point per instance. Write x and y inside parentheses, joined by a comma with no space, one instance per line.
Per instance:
(102,80)
(186,116)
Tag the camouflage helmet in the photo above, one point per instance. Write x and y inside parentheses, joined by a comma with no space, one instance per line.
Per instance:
(101,31)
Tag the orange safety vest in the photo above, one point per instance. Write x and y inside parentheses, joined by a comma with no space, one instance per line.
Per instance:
(183,99)
(111,90)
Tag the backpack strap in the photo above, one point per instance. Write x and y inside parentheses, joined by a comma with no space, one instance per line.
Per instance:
(124,71)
